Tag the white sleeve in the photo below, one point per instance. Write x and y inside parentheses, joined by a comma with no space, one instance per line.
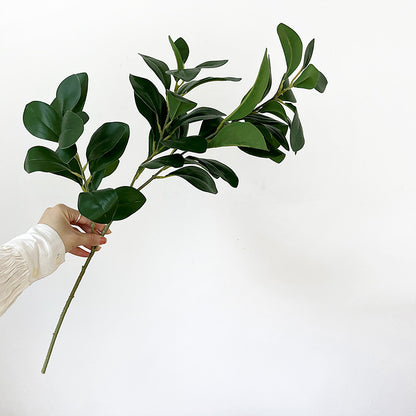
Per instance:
(27,258)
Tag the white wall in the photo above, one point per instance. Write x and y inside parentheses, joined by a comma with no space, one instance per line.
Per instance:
(294,294)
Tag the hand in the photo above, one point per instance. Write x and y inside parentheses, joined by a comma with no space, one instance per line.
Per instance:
(62,218)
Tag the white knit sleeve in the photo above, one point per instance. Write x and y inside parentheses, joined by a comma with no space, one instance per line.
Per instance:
(27,258)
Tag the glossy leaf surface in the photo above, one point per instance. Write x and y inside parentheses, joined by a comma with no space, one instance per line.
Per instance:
(178,56)
(178,105)
(239,134)
(212,64)
(189,86)
(175,161)
(308,78)
(130,200)
(187,74)
(196,177)
(72,128)
(292,47)
(41,120)
(275,108)
(195,144)
(183,48)
(308,53)
(159,68)
(297,139)
(68,93)
(98,206)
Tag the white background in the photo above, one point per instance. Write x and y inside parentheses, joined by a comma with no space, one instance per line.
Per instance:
(294,294)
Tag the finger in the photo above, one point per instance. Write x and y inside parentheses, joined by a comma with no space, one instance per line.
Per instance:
(77,251)
(91,240)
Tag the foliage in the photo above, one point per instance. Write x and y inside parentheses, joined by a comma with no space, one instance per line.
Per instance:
(257,126)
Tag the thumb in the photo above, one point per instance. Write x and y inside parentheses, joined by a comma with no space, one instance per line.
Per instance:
(90,240)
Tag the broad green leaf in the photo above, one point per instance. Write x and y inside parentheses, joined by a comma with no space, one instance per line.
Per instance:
(196,177)
(72,128)
(275,108)
(66,155)
(217,169)
(99,175)
(209,127)
(199,114)
(149,94)
(185,88)
(152,118)
(239,134)
(159,68)
(42,159)
(98,206)
(308,53)
(178,105)
(41,120)
(212,64)
(278,136)
(322,83)
(308,78)
(84,116)
(278,158)
(68,93)
(107,144)
(83,79)
(276,155)
(185,74)
(255,95)
(130,200)
(182,48)
(111,168)
(175,161)
(195,144)
(177,53)
(297,139)
(292,47)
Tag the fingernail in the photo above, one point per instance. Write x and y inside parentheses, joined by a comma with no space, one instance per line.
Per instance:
(108,232)
(98,248)
(103,240)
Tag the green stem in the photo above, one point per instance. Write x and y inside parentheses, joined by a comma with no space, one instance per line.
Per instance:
(68,302)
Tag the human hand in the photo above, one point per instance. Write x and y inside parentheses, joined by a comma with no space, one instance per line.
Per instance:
(63,219)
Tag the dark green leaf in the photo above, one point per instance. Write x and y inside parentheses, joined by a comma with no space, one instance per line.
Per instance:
(66,155)
(322,83)
(209,127)
(276,155)
(292,47)
(256,93)
(182,48)
(175,161)
(288,96)
(177,53)
(308,53)
(195,144)
(83,79)
(42,159)
(200,113)
(159,68)
(98,206)
(297,139)
(72,128)
(152,118)
(185,88)
(99,175)
(308,78)
(212,64)
(275,108)
(130,200)
(278,136)
(239,134)
(185,74)
(41,120)
(196,177)
(84,116)
(107,144)
(68,93)
(149,94)
(178,105)
(217,169)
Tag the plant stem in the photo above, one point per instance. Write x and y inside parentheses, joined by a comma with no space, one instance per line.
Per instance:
(68,302)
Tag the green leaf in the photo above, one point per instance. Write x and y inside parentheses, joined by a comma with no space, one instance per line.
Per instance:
(275,108)
(297,139)
(185,88)
(177,53)
(239,134)
(276,155)
(277,135)
(68,93)
(99,175)
(66,155)
(83,79)
(209,127)
(292,47)
(308,78)
(107,144)
(256,93)
(185,74)
(72,128)
(322,83)
(159,68)
(130,200)
(84,116)
(199,114)
(212,64)
(41,120)
(42,159)
(196,177)
(175,161)
(216,169)
(178,105)
(182,48)
(308,53)
(195,144)
(288,95)
(98,206)
(149,94)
